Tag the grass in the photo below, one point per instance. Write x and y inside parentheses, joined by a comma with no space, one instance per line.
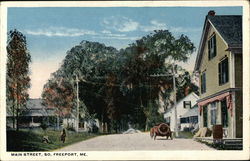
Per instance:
(31,140)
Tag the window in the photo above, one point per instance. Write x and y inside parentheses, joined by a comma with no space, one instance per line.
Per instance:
(168,120)
(204,116)
(194,119)
(203,82)
(224,113)
(184,120)
(187,104)
(223,71)
(213,111)
(212,47)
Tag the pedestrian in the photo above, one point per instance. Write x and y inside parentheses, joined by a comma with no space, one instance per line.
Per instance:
(63,135)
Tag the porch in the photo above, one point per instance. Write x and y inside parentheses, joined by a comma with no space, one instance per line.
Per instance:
(223,144)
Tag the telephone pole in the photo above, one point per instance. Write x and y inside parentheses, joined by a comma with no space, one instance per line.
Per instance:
(174,89)
(77,101)
(175,108)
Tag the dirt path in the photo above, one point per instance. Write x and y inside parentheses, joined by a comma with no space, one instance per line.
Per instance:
(137,141)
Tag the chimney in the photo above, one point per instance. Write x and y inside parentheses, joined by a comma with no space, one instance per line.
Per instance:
(211,13)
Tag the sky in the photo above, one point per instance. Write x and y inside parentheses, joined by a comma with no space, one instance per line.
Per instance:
(52,31)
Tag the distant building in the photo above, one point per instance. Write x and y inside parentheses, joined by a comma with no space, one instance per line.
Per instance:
(34,114)
(219,64)
(185,118)
(70,122)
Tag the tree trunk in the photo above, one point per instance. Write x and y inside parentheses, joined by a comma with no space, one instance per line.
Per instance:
(17,120)
(146,126)
(13,117)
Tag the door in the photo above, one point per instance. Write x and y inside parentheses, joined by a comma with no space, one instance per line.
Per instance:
(224,114)
(204,116)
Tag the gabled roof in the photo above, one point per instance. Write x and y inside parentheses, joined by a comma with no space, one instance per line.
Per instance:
(35,104)
(229,27)
(36,108)
(183,99)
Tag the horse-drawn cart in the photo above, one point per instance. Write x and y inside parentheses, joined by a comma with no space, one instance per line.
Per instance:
(161,130)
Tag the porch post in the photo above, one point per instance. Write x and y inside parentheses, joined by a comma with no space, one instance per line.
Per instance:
(233,116)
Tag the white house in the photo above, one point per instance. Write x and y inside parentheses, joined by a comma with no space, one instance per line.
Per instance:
(87,126)
(183,108)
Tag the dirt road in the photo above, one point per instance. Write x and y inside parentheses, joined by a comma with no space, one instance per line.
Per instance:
(136,141)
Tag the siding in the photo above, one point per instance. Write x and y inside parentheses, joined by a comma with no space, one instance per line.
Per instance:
(211,66)
(239,117)
(238,70)
(238,99)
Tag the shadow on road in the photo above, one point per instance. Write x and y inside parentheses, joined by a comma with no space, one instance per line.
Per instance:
(162,139)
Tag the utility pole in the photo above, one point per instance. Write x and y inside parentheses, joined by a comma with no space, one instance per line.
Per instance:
(175,108)
(77,101)
(174,89)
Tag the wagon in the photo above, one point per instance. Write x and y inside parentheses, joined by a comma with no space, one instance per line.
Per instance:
(162,129)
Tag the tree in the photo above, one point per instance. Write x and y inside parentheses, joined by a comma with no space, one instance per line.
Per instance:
(148,56)
(60,94)
(116,86)
(17,78)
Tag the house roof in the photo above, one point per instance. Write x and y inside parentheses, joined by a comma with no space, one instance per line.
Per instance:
(35,107)
(229,27)
(191,94)
(35,104)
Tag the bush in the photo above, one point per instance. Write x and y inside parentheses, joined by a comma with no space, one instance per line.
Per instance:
(44,126)
(71,128)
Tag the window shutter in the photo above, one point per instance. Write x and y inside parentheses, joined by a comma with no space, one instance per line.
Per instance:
(209,51)
(226,70)
(219,70)
(204,77)
(201,83)
(214,46)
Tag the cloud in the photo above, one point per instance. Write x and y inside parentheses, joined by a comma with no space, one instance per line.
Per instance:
(184,30)
(60,31)
(154,25)
(117,37)
(106,32)
(120,23)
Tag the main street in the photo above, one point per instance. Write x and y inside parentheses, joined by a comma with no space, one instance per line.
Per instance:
(136,141)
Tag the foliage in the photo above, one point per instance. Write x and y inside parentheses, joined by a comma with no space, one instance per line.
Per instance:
(152,114)
(44,125)
(17,78)
(117,87)
(59,93)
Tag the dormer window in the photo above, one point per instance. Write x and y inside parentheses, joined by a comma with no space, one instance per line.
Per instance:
(212,47)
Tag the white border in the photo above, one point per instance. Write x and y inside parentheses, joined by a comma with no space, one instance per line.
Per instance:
(134,155)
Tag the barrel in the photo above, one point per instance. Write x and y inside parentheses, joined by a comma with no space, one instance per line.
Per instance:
(217,132)
(163,129)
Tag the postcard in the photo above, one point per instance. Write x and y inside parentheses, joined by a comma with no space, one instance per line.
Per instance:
(124,80)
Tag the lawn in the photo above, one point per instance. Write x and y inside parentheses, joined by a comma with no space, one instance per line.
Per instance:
(31,140)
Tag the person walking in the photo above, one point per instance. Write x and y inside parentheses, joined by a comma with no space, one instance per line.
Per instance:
(63,135)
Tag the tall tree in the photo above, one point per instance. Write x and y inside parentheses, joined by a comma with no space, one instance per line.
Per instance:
(148,56)
(117,85)
(17,80)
